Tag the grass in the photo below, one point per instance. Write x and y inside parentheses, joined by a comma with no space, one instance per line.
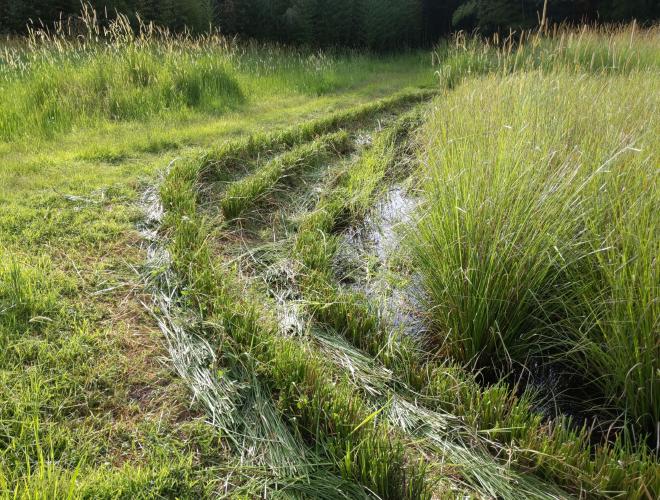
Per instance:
(230,156)
(559,452)
(532,251)
(244,193)
(504,416)
(334,413)
(329,412)
(53,83)
(84,394)
(609,50)
(529,247)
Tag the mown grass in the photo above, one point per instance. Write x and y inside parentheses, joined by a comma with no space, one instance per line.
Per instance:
(71,398)
(232,155)
(84,397)
(323,407)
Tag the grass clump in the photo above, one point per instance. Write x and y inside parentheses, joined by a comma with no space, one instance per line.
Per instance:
(122,77)
(537,242)
(27,293)
(613,50)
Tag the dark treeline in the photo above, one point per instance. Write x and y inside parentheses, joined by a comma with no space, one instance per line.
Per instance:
(376,24)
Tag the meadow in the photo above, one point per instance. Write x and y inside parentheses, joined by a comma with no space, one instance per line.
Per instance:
(243,270)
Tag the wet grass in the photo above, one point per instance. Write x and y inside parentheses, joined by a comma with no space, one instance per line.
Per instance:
(381,362)
(532,251)
(324,408)
(344,426)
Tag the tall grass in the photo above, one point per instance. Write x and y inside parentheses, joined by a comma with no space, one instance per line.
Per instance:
(541,236)
(618,283)
(617,49)
(55,81)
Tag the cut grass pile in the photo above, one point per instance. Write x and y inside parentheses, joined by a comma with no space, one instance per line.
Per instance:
(246,192)
(233,155)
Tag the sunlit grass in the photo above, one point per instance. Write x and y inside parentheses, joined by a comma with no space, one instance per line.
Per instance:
(614,50)
(79,358)
(539,239)
(52,83)
(537,244)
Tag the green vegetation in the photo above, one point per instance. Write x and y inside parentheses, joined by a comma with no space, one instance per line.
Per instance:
(85,399)
(246,192)
(373,24)
(52,83)
(541,231)
(409,276)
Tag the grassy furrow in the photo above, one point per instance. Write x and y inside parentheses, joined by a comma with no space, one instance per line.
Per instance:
(231,155)
(557,450)
(246,192)
(348,311)
(325,408)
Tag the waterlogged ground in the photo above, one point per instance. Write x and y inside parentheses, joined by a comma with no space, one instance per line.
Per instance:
(292,260)
(372,258)
(259,303)
(86,382)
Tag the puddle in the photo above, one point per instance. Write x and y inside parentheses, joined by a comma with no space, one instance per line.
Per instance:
(380,232)
(367,261)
